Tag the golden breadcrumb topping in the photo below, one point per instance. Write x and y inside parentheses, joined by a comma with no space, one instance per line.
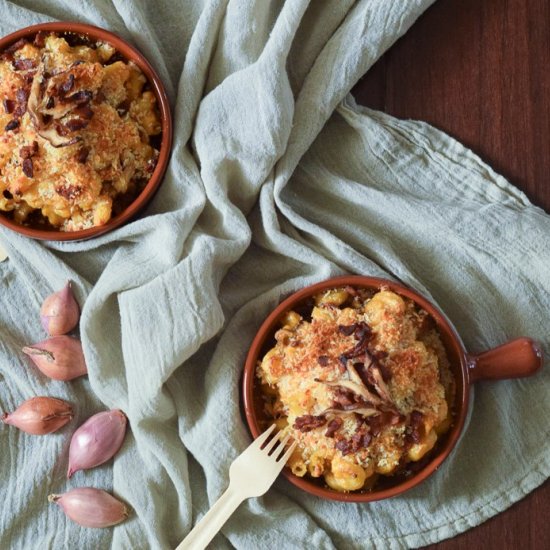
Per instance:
(79,129)
(363,385)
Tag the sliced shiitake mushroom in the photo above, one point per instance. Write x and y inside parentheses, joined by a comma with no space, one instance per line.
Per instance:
(47,131)
(356,387)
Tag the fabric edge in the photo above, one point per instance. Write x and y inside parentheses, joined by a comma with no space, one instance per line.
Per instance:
(349,103)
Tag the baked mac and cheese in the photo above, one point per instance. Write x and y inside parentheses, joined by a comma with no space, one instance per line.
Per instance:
(78,126)
(362,383)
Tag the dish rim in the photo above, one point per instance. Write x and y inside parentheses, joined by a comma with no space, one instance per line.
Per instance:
(461,402)
(129,53)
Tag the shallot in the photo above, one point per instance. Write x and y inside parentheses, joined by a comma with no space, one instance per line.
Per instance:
(97,440)
(59,357)
(40,415)
(91,507)
(60,313)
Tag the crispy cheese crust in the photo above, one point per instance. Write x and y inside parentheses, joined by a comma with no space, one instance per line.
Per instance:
(364,386)
(76,123)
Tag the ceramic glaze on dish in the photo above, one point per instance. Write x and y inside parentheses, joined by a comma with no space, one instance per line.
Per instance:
(86,131)
(361,382)
(521,357)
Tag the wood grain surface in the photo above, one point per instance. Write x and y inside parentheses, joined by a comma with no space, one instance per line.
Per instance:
(480,71)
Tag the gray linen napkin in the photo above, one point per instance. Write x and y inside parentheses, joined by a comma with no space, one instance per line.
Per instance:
(277,180)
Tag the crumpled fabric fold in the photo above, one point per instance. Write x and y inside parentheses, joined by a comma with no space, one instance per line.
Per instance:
(277,180)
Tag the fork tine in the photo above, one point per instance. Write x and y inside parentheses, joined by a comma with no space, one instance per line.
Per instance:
(273,443)
(286,456)
(253,464)
(280,448)
(262,438)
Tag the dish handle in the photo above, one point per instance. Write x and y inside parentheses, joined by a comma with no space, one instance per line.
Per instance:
(514,359)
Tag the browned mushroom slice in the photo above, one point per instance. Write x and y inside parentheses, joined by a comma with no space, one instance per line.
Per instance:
(352,371)
(57,110)
(358,389)
(363,411)
(45,131)
(379,384)
(54,101)
(33,101)
(356,379)
(50,134)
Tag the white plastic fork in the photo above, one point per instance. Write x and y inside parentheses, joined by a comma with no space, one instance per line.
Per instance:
(251,474)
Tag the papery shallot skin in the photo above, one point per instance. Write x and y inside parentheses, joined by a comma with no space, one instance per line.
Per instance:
(91,507)
(60,313)
(97,440)
(59,357)
(40,415)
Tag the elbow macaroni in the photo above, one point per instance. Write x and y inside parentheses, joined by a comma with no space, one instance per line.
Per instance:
(78,133)
(309,389)
(345,475)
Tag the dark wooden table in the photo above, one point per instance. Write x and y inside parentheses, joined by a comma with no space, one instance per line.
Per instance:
(480,71)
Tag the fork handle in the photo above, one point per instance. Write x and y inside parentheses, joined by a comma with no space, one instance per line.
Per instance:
(212,521)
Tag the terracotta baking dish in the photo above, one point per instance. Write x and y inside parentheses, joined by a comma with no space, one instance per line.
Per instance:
(517,358)
(129,53)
